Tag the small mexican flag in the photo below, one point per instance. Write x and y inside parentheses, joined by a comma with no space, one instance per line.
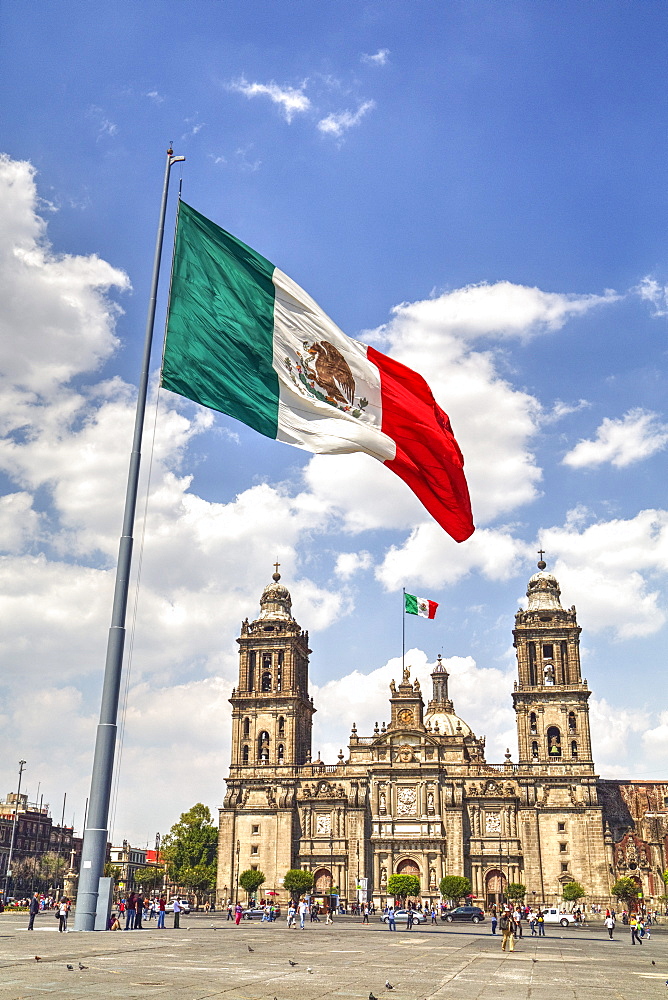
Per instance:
(419,606)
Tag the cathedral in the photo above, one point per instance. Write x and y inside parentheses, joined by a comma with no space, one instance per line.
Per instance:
(417,795)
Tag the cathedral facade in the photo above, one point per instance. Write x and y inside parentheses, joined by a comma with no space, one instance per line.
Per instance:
(417,795)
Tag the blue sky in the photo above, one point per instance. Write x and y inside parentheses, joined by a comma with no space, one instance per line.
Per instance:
(477,189)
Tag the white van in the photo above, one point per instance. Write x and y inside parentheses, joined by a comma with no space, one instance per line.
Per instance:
(554,916)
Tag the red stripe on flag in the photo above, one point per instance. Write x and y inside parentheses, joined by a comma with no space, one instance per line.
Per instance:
(432,608)
(428,458)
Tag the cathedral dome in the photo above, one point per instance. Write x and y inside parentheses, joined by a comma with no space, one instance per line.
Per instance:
(448,724)
(543,591)
(276,601)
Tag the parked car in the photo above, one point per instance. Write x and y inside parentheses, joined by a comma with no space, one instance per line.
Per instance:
(472,913)
(554,916)
(257,912)
(401,917)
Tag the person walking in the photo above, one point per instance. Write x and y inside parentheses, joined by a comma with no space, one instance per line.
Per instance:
(365,913)
(238,913)
(609,922)
(130,911)
(162,906)
(63,910)
(303,910)
(517,917)
(328,918)
(409,919)
(391,923)
(507,928)
(33,911)
(292,913)
(494,920)
(633,924)
(229,911)
(540,920)
(177,913)
(139,912)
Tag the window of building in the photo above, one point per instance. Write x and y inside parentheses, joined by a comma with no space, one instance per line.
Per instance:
(266,681)
(534,750)
(251,672)
(246,727)
(281,726)
(553,742)
(548,651)
(244,755)
(254,849)
(263,747)
(561,827)
(563,848)
(574,749)
(533,724)
(255,829)
(572,722)
(280,753)
(253,868)
(564,866)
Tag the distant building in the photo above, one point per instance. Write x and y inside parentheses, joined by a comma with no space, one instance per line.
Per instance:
(417,796)
(127,859)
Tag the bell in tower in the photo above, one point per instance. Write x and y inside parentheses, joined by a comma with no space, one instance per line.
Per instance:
(550,697)
(271,709)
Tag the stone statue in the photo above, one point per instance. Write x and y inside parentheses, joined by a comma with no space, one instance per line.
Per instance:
(383,876)
(382,800)
(407,673)
(430,800)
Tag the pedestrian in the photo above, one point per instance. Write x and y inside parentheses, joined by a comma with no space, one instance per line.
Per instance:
(130,911)
(63,910)
(328,909)
(633,924)
(409,919)
(303,910)
(229,910)
(507,928)
(433,914)
(540,920)
(517,917)
(391,923)
(292,913)
(34,910)
(532,923)
(609,922)
(365,913)
(238,913)
(177,913)
(162,906)
(495,920)
(139,912)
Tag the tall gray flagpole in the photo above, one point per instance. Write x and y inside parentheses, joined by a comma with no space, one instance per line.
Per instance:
(94,850)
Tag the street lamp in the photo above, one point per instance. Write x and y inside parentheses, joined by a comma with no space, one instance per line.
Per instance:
(331,867)
(237,894)
(8,873)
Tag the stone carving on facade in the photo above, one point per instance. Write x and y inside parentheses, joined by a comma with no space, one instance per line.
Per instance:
(406,800)
(406,754)
(430,802)
(492,822)
(383,802)
(323,826)
(383,876)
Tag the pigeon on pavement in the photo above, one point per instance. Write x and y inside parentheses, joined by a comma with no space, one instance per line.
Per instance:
(71,968)
(388,985)
(38,958)
(82,967)
(372,997)
(291,962)
(249,948)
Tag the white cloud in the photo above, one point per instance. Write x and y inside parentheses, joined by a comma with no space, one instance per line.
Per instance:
(380,58)
(651,291)
(338,122)
(350,563)
(153,95)
(609,570)
(560,409)
(637,435)
(291,100)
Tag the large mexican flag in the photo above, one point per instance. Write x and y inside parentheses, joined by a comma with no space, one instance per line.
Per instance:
(244,339)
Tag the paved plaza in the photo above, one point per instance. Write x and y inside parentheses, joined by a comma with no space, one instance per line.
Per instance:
(211,957)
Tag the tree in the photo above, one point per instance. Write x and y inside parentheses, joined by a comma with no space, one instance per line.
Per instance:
(402,886)
(112,871)
(573,891)
(625,889)
(251,880)
(297,881)
(149,876)
(516,891)
(52,866)
(453,887)
(199,878)
(190,843)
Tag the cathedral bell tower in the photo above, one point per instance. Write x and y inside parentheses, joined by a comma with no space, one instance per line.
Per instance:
(271,709)
(550,697)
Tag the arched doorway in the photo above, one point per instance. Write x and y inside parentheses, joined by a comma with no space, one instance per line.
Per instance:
(408,867)
(495,887)
(322,881)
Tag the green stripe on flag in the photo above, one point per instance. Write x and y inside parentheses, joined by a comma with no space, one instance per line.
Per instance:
(410,604)
(220,330)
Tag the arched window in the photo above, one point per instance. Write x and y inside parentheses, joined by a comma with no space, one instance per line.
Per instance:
(279,670)
(281,726)
(251,672)
(533,724)
(246,727)
(263,747)
(534,750)
(553,743)
(532,663)
(574,749)
(280,753)
(244,755)
(266,681)
(572,722)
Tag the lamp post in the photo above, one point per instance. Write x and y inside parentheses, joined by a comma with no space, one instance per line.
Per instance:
(236,900)
(8,873)
(331,867)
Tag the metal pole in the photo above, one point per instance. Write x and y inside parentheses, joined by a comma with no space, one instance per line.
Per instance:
(403,628)
(8,873)
(236,900)
(94,850)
